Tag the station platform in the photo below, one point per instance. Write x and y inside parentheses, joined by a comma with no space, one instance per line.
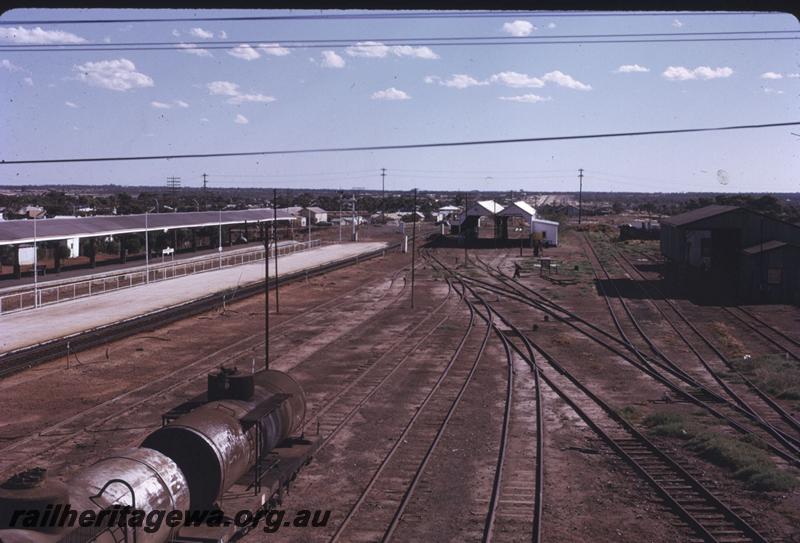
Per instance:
(26,328)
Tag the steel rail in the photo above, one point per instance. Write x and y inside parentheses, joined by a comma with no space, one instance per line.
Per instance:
(390,454)
(429,453)
(770,402)
(707,533)
(647,369)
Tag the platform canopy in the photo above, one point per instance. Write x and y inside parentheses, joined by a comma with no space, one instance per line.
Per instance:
(519,209)
(22,231)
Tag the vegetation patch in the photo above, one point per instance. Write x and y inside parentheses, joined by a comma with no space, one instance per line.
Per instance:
(728,340)
(746,460)
(774,374)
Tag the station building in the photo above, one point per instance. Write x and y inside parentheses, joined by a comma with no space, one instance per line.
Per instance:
(65,238)
(732,252)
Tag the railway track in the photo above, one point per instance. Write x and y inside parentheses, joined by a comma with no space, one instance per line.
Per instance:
(781,424)
(27,357)
(704,513)
(380,505)
(156,395)
(720,407)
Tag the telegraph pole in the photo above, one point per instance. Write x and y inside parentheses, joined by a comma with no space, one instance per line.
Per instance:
(205,186)
(383,195)
(265,239)
(341,196)
(463,227)
(413,246)
(354,217)
(275,243)
(580,195)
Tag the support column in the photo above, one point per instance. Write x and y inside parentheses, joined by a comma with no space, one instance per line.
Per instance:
(57,256)
(92,253)
(123,251)
(15,262)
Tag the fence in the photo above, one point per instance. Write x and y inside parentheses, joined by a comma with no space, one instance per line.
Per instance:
(37,297)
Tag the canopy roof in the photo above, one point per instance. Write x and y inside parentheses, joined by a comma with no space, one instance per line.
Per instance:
(25,231)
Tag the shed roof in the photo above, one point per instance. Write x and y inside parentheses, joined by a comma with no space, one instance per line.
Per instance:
(520,208)
(316,209)
(484,207)
(698,214)
(22,231)
(764,247)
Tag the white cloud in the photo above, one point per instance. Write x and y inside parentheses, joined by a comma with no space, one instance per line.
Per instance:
(193,49)
(200,33)
(223,35)
(630,68)
(416,52)
(677,23)
(273,49)
(793,76)
(769,90)
(456,81)
(375,49)
(242,98)
(551,25)
(390,94)
(175,32)
(28,81)
(368,49)
(680,73)
(38,36)
(771,75)
(564,80)
(10,66)
(241,119)
(226,88)
(204,120)
(331,60)
(526,98)
(519,28)
(107,39)
(244,52)
(181,103)
(118,75)
(516,80)
(160,105)
(70,104)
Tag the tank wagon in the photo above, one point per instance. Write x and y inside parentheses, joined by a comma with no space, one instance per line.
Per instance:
(204,447)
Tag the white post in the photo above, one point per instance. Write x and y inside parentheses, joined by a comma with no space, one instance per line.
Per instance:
(35,267)
(220,239)
(146,249)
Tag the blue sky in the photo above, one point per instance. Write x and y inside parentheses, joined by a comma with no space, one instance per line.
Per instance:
(250,98)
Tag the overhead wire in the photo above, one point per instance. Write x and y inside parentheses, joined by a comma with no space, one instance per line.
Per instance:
(430,145)
(382,15)
(270,41)
(520,41)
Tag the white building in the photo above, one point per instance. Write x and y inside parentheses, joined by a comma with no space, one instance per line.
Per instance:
(547,229)
(317,214)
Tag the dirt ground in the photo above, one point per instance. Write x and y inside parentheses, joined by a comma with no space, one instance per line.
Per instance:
(356,326)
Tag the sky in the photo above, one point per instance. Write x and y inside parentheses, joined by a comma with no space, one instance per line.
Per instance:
(231,86)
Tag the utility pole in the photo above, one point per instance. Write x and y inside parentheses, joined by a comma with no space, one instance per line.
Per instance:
(174,183)
(275,243)
(413,246)
(265,239)
(580,195)
(383,195)
(205,187)
(341,196)
(463,227)
(354,217)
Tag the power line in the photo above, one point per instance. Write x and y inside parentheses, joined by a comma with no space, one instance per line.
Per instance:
(271,42)
(390,15)
(519,41)
(432,145)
